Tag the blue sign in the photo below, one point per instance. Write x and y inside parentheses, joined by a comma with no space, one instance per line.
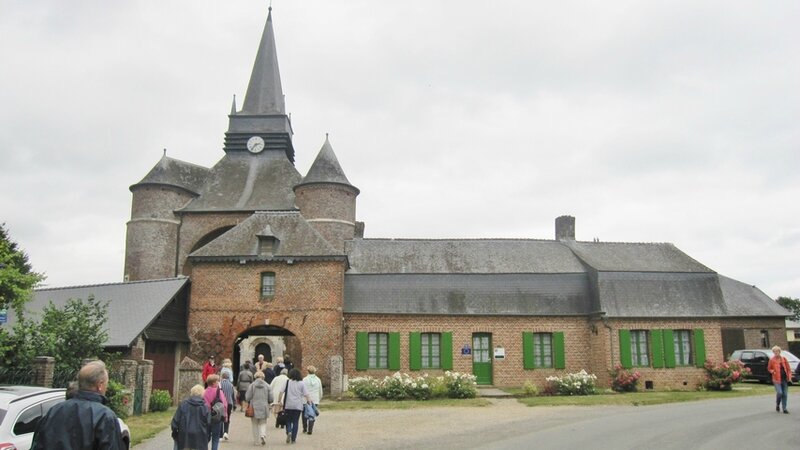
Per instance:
(3,315)
(466,350)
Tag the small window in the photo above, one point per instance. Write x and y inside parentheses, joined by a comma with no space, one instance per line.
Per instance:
(764,338)
(27,421)
(267,285)
(430,349)
(378,350)
(639,347)
(683,347)
(542,350)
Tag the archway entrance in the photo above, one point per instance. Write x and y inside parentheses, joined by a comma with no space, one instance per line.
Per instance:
(269,340)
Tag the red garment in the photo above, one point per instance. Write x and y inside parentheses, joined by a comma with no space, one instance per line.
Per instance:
(210,396)
(208,369)
(774,367)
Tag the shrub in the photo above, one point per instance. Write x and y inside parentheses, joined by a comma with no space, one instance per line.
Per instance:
(721,377)
(580,383)
(118,398)
(394,387)
(460,385)
(365,388)
(624,381)
(530,389)
(160,400)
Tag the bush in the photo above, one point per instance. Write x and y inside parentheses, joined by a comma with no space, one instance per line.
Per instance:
(402,386)
(160,400)
(530,389)
(624,381)
(461,385)
(365,388)
(721,377)
(580,383)
(118,398)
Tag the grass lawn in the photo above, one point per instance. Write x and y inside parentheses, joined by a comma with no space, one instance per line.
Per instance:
(148,425)
(648,397)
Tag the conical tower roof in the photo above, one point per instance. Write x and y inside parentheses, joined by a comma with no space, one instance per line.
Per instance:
(326,168)
(264,93)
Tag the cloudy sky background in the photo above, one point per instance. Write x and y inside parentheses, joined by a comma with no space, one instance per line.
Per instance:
(659,121)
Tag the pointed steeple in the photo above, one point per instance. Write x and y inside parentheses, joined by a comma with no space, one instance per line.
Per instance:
(326,168)
(263,115)
(264,93)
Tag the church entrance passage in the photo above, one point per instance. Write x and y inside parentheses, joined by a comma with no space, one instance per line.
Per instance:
(269,340)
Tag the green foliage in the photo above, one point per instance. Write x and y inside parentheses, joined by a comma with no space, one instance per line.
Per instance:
(722,377)
(403,386)
(461,385)
(792,304)
(530,389)
(17,277)
(580,383)
(624,381)
(160,400)
(365,388)
(118,398)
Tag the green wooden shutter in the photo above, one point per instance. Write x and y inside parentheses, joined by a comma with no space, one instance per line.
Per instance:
(362,350)
(394,351)
(657,349)
(446,347)
(625,348)
(669,349)
(415,351)
(699,348)
(559,358)
(527,350)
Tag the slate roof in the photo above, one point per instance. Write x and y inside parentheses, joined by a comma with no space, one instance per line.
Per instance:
(242,181)
(635,257)
(452,256)
(742,299)
(296,238)
(468,294)
(174,172)
(132,306)
(326,168)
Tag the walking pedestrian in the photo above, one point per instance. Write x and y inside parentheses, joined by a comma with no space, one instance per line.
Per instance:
(781,372)
(278,386)
(212,394)
(191,424)
(209,368)
(314,386)
(231,396)
(245,378)
(227,366)
(294,396)
(259,397)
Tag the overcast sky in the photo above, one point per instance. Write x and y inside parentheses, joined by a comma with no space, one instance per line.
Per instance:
(649,121)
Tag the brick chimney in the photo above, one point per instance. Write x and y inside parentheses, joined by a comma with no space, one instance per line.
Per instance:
(565,228)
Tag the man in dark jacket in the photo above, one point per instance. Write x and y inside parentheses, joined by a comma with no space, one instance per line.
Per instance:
(191,424)
(83,422)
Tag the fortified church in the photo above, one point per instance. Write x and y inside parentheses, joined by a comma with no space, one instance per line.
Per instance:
(250,256)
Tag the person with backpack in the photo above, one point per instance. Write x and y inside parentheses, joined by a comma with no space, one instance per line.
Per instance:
(190,424)
(218,405)
(231,396)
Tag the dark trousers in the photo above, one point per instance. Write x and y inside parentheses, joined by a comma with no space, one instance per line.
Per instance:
(228,422)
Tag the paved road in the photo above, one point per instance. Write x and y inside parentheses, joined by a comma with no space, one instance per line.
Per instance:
(715,424)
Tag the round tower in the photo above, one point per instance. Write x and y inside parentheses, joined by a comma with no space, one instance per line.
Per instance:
(327,200)
(151,240)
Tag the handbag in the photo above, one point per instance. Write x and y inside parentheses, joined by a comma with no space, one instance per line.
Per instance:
(280,418)
(249,412)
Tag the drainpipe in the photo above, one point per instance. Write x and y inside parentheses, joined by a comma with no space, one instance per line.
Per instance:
(610,338)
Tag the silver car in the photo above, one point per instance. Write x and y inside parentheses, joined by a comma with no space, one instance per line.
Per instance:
(21,407)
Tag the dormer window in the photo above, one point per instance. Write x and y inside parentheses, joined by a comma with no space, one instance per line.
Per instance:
(267,242)
(267,285)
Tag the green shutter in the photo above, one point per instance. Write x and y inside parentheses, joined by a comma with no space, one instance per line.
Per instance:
(656,349)
(394,351)
(625,348)
(559,359)
(446,347)
(669,349)
(527,350)
(362,350)
(699,348)
(414,351)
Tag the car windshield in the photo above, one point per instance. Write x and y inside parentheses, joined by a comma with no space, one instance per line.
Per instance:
(790,356)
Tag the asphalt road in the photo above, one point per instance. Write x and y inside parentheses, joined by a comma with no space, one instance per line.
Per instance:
(738,423)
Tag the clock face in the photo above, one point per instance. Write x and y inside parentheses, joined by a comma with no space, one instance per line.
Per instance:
(255,144)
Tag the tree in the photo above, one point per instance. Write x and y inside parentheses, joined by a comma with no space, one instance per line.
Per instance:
(793,305)
(17,277)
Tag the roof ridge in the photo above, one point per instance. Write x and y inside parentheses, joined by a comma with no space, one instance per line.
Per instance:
(459,239)
(157,280)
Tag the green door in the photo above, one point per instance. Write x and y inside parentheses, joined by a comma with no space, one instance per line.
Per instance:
(482,357)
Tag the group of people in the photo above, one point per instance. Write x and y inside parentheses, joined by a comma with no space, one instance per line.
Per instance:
(262,389)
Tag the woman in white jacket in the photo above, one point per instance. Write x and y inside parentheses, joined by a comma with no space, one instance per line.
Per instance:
(314,386)
(278,386)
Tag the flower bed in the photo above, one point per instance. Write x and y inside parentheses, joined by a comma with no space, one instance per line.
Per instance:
(402,386)
(722,377)
(580,383)
(624,381)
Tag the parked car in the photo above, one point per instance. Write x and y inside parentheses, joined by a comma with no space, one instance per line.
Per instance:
(757,359)
(21,407)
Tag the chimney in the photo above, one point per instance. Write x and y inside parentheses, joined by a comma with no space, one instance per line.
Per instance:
(565,228)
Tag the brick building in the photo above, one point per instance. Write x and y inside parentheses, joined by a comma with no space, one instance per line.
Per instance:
(276,258)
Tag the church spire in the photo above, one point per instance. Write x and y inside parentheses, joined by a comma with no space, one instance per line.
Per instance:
(264,93)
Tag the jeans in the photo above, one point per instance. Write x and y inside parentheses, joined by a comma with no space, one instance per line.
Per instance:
(216,433)
(292,422)
(781,393)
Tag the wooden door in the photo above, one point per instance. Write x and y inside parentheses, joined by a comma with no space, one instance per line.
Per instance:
(482,357)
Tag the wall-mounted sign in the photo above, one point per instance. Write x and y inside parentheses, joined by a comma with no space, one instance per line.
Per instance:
(466,350)
(499,353)
(3,315)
